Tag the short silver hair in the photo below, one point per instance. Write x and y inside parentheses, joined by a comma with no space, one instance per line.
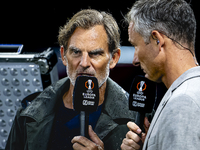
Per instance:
(174,18)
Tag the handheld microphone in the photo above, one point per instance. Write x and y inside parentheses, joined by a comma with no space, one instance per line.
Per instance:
(142,98)
(85,100)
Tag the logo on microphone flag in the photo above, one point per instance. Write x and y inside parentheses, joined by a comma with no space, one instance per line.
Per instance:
(89,84)
(142,94)
(142,85)
(86,94)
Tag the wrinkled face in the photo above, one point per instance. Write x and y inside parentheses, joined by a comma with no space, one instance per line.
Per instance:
(88,54)
(146,55)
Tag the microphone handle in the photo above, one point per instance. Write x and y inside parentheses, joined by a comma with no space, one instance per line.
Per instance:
(139,120)
(84,121)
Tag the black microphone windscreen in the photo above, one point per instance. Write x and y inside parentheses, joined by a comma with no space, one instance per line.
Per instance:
(86,94)
(142,95)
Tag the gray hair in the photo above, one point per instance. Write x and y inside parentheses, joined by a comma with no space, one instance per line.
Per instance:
(174,18)
(87,19)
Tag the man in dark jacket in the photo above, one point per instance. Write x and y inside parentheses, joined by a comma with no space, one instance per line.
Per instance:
(89,46)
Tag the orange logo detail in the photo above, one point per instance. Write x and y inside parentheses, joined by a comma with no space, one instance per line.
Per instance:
(89,84)
(141,87)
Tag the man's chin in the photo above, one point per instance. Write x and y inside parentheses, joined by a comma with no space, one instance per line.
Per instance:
(153,79)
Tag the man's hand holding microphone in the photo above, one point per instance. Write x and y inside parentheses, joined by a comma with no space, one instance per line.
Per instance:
(141,100)
(133,141)
(86,100)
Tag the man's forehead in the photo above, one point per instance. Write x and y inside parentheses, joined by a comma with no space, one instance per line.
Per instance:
(91,39)
(130,27)
(134,36)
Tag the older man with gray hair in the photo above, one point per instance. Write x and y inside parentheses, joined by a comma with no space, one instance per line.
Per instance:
(89,46)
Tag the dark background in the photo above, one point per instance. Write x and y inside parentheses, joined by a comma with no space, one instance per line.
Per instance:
(36,24)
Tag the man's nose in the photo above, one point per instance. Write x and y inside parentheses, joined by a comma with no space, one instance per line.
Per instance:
(85,60)
(136,60)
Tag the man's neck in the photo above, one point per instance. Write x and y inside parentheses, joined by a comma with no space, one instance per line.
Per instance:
(68,96)
(176,66)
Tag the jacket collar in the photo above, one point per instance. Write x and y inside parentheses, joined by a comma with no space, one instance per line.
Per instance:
(115,109)
(116,101)
(46,102)
(189,74)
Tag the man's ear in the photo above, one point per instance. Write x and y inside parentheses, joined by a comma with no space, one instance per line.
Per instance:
(158,38)
(62,54)
(115,58)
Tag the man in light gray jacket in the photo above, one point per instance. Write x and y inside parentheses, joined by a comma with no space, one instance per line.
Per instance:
(163,34)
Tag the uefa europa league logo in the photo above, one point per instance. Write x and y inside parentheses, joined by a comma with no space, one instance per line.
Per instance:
(141,86)
(89,84)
